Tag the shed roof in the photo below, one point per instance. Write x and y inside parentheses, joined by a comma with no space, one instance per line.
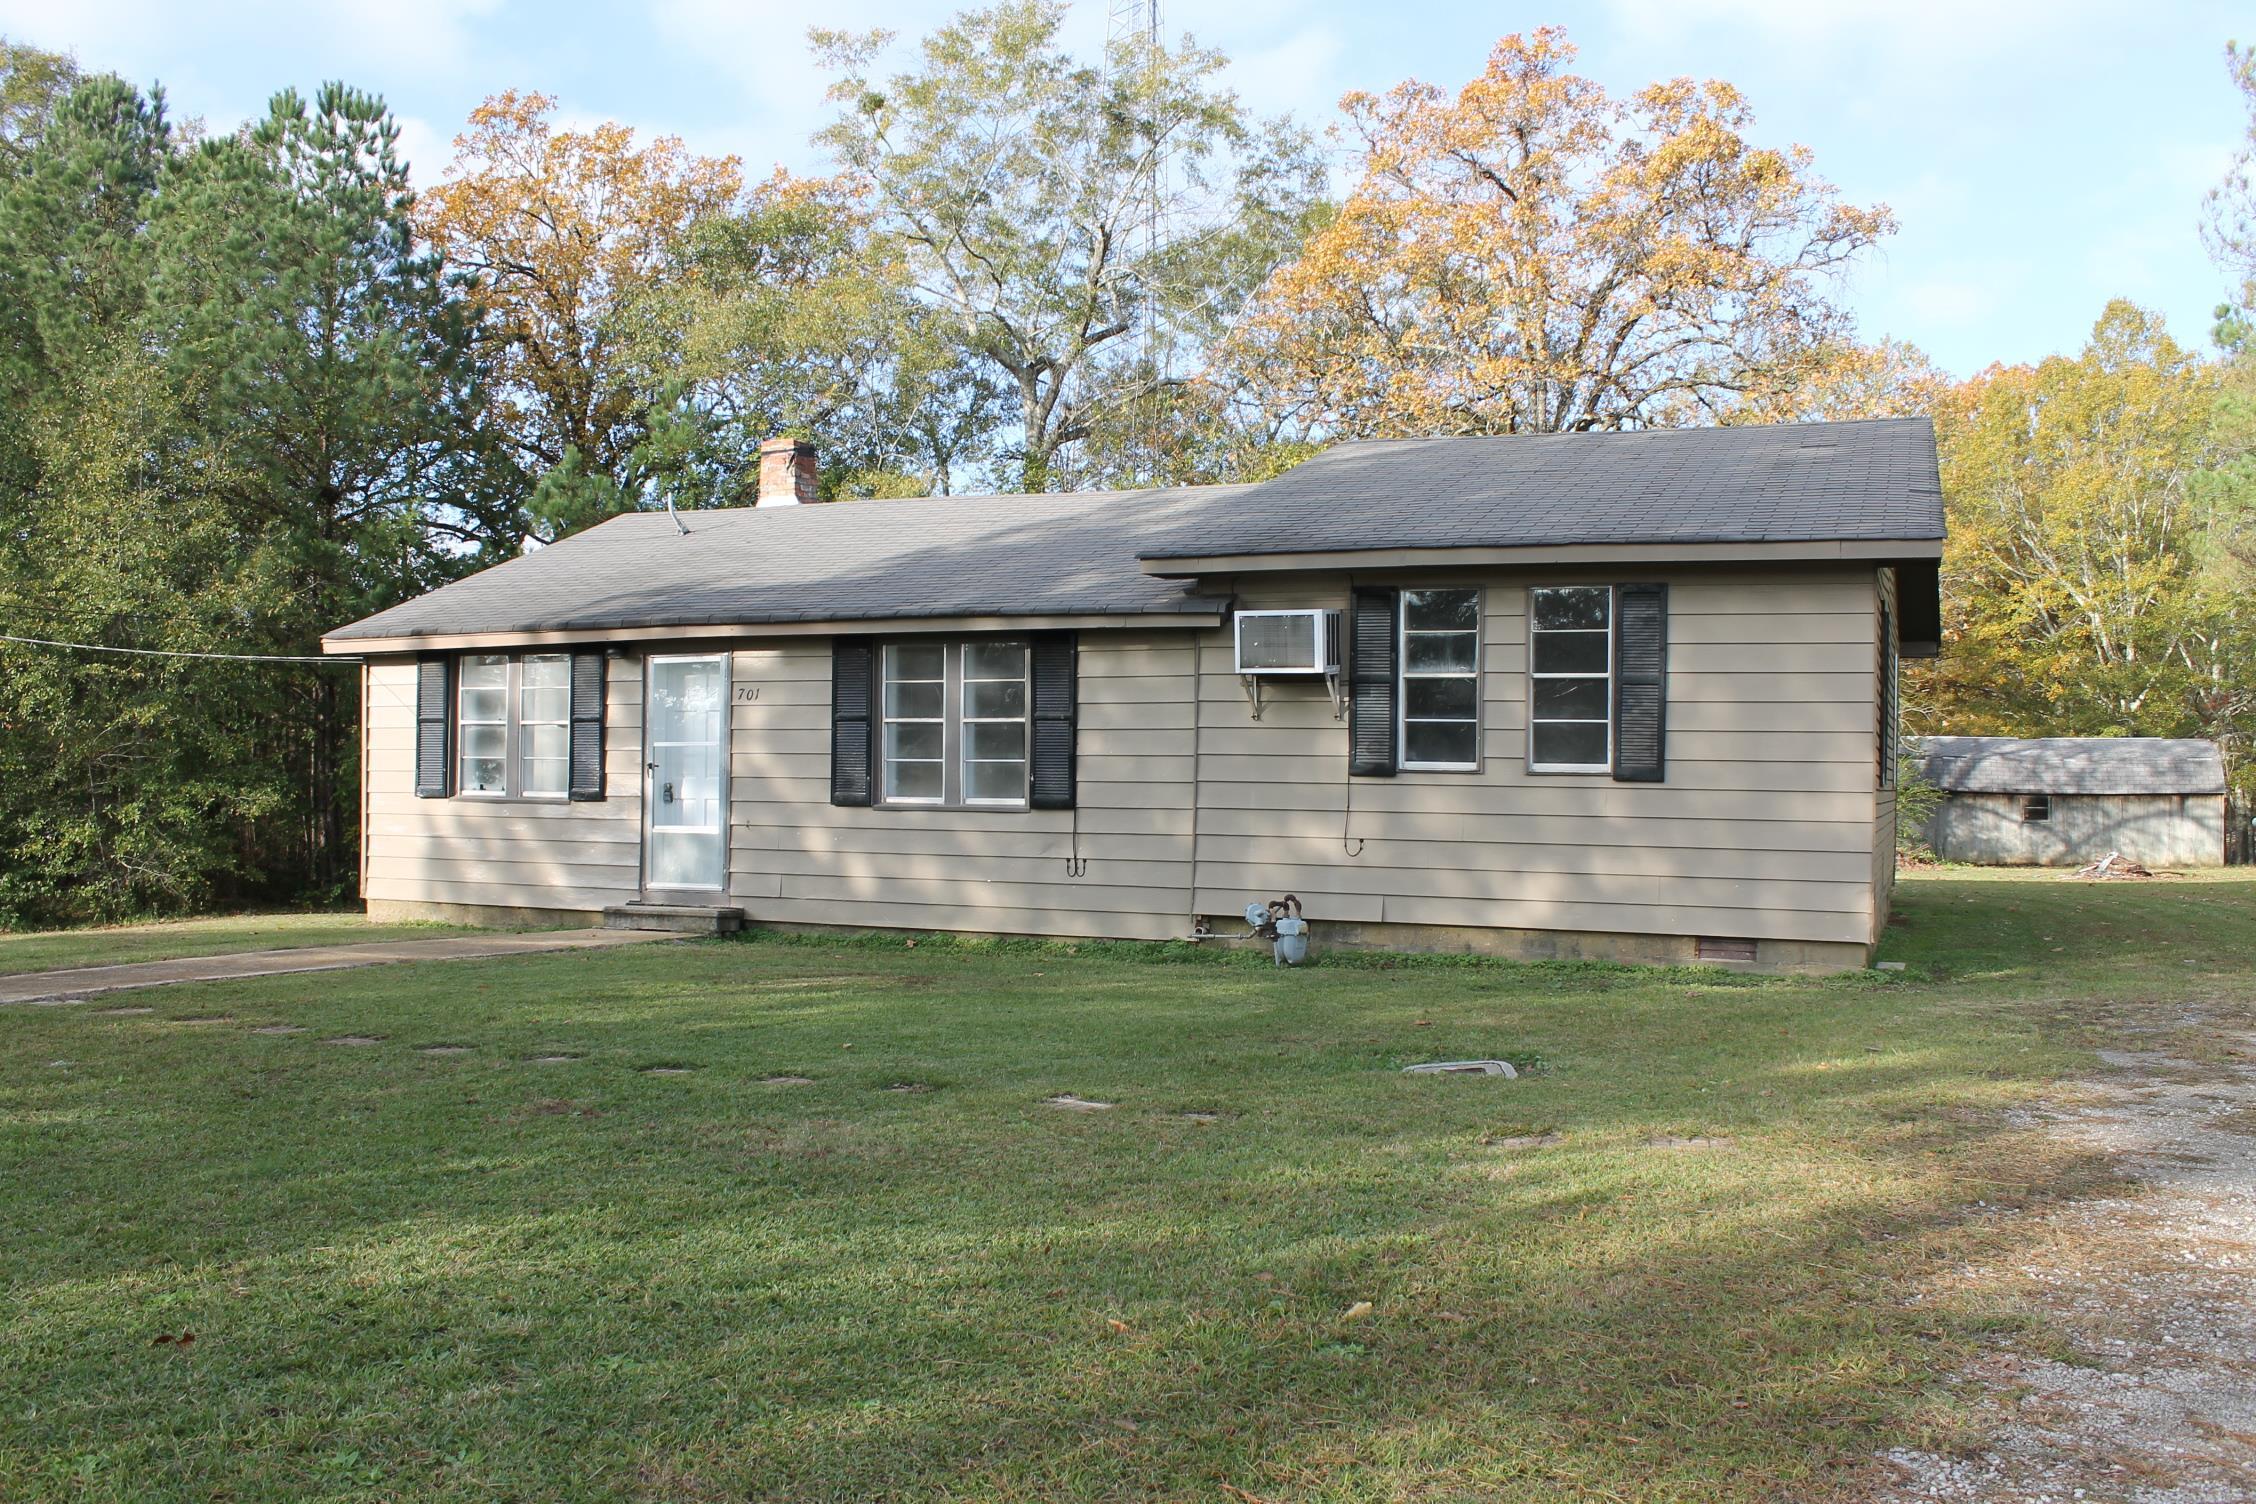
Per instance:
(1103,553)
(1866,481)
(2071,765)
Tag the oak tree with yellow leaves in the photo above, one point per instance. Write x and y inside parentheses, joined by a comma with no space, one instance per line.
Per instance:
(1534,255)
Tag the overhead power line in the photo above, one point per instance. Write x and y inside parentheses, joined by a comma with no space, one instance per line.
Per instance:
(96,647)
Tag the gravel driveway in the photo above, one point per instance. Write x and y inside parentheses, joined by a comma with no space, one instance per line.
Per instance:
(2155,1401)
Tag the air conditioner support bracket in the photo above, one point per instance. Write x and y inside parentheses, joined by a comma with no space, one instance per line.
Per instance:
(1339,701)
(1252,685)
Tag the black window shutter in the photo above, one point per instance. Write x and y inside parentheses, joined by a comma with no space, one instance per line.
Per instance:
(587,726)
(434,704)
(1890,711)
(853,691)
(1640,683)
(1372,684)
(1050,773)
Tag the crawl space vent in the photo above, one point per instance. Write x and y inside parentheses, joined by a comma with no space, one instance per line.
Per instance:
(1723,948)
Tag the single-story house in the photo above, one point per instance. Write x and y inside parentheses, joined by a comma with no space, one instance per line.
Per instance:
(2068,800)
(1626,695)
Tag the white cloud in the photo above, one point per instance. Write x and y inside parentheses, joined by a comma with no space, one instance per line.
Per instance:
(400,37)
(1297,74)
(1948,34)
(426,150)
(1939,300)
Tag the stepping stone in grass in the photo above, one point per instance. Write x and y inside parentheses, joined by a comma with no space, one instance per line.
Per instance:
(355,1039)
(1201,1117)
(1072,1103)
(444,1049)
(1522,1141)
(552,1059)
(121,1012)
(788,1081)
(909,1088)
(279,1029)
(667,1070)
(1672,1141)
(202,1018)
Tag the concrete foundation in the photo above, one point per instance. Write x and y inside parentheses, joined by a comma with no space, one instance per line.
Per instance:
(484,916)
(1771,957)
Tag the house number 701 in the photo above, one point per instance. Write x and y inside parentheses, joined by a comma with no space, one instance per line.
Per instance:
(747,693)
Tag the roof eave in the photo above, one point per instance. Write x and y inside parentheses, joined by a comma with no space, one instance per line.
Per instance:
(341,644)
(1880,550)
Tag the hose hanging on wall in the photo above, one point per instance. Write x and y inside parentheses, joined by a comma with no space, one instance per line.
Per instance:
(1076,865)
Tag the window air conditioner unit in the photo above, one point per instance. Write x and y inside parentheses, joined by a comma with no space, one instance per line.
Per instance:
(1288,644)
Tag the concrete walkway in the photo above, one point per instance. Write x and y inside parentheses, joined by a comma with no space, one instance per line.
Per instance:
(86,981)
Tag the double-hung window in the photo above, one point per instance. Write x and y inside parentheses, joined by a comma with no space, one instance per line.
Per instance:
(513,725)
(1440,657)
(1570,678)
(955,724)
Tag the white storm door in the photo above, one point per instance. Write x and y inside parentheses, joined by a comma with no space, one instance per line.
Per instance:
(685,792)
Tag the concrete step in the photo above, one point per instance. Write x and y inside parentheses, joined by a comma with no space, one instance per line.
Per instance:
(678,918)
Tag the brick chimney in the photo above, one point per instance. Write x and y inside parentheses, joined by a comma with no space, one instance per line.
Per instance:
(787,473)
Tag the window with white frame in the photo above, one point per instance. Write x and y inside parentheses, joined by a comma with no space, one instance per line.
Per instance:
(994,723)
(483,725)
(955,724)
(916,723)
(513,732)
(544,724)
(1440,696)
(1570,678)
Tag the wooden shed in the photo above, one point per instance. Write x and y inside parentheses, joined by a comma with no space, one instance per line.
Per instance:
(2061,801)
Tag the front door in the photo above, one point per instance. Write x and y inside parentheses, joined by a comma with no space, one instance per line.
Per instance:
(685,793)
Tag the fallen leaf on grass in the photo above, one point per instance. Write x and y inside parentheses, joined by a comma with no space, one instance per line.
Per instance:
(1357,1312)
(1116,1323)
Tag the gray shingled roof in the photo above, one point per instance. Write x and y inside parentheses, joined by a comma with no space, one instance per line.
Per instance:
(1079,554)
(1871,481)
(845,561)
(2071,765)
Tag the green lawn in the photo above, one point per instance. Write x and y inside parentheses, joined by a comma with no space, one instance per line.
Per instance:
(1675,1260)
(52,950)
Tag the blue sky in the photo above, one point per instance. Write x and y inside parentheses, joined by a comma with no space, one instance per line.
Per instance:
(2042,155)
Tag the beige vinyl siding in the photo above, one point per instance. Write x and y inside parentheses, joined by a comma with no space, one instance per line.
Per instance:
(1763,828)
(513,853)
(1767,825)
(796,858)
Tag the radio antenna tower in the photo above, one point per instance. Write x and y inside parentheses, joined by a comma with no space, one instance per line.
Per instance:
(1134,52)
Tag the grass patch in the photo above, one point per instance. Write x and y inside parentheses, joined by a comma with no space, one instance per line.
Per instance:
(1673,1260)
(56,950)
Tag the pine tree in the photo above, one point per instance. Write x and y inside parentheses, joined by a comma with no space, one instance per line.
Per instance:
(327,358)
